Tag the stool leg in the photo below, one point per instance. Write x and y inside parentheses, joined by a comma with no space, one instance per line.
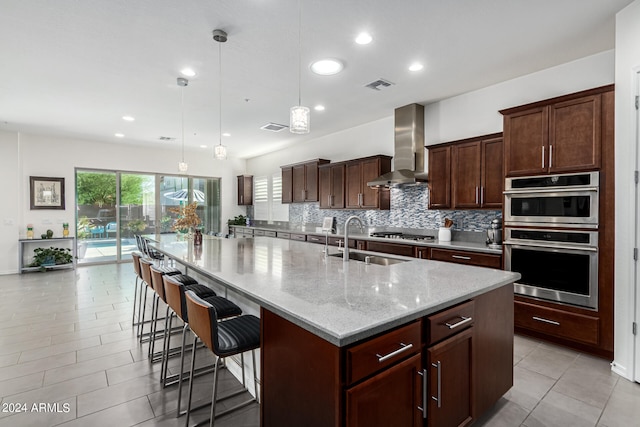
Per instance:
(214,393)
(255,376)
(193,366)
(166,342)
(154,325)
(135,299)
(184,338)
(144,309)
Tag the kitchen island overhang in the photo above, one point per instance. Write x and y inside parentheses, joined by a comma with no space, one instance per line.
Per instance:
(342,303)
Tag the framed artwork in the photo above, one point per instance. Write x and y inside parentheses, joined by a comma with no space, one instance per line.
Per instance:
(46,193)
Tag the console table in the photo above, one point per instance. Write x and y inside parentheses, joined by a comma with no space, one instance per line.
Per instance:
(26,247)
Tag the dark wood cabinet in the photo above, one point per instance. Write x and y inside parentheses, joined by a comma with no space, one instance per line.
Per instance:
(449,373)
(467,257)
(300,181)
(245,190)
(331,185)
(287,184)
(358,173)
(395,394)
(467,174)
(439,177)
(558,135)
(390,248)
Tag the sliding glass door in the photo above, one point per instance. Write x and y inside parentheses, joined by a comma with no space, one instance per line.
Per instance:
(112,207)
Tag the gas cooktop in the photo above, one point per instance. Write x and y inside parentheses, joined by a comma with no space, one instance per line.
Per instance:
(401,236)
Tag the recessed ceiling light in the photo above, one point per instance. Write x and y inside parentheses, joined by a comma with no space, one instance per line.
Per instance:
(226,134)
(203,146)
(128,118)
(319,108)
(416,66)
(364,38)
(188,72)
(327,67)
(119,135)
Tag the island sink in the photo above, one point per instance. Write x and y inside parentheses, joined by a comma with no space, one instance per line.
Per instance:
(371,259)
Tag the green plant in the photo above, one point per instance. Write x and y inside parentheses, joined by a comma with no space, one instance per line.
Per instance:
(136,225)
(83,227)
(238,220)
(44,257)
(165,223)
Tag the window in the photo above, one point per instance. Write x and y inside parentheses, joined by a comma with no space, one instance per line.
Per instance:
(267,199)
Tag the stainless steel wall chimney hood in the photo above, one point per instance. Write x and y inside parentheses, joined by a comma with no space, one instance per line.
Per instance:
(408,158)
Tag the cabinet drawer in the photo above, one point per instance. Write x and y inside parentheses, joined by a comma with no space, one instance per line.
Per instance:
(301,237)
(284,235)
(378,353)
(469,258)
(315,239)
(563,324)
(270,233)
(258,232)
(390,248)
(448,322)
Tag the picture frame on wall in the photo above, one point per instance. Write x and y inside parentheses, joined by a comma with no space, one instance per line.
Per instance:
(46,193)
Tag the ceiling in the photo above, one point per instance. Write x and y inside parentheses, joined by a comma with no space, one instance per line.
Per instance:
(74,68)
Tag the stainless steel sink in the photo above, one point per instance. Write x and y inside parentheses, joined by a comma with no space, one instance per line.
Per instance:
(371,259)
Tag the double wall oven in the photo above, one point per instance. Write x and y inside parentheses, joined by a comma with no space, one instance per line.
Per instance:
(551,236)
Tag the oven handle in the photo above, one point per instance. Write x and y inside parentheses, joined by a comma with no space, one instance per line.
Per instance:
(550,246)
(551,190)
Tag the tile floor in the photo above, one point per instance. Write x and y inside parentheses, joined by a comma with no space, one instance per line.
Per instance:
(66,345)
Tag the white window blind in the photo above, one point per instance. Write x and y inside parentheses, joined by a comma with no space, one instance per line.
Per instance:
(279,211)
(261,198)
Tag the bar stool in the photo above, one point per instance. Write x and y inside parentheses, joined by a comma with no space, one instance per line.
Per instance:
(145,271)
(177,302)
(136,268)
(224,339)
(157,285)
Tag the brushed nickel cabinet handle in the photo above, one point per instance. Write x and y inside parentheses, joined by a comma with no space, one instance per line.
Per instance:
(461,257)
(543,320)
(464,321)
(438,399)
(550,156)
(543,157)
(423,409)
(403,347)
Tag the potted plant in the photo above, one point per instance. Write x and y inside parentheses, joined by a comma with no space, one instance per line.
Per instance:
(83,233)
(47,257)
(136,226)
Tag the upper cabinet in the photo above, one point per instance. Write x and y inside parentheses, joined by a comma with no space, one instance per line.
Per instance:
(331,183)
(467,174)
(360,171)
(300,181)
(558,135)
(439,177)
(245,189)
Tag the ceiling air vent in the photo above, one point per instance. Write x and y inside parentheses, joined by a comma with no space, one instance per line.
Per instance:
(166,138)
(273,127)
(379,84)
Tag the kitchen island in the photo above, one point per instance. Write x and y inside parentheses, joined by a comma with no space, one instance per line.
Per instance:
(323,320)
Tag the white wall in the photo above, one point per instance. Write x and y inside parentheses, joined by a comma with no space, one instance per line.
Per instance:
(464,116)
(627,65)
(25,155)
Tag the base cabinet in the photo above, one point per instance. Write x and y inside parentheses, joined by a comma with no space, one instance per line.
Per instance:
(457,362)
(391,398)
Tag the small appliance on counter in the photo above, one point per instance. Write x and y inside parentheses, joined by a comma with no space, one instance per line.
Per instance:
(494,234)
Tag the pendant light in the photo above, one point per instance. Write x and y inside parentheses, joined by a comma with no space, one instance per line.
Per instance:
(182,165)
(220,151)
(299,116)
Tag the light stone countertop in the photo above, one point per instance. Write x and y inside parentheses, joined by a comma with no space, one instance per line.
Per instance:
(340,302)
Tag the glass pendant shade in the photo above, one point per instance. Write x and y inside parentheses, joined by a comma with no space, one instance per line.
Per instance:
(220,152)
(299,120)
(183,167)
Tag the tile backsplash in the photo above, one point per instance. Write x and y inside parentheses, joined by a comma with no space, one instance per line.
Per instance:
(408,210)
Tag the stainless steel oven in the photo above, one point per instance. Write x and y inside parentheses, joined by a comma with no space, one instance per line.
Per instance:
(556,265)
(567,200)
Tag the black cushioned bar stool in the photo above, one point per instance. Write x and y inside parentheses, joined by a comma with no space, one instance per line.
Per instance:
(176,301)
(227,338)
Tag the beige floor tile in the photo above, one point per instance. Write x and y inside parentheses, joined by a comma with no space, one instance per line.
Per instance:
(558,410)
(137,369)
(21,384)
(529,388)
(9,359)
(62,390)
(80,369)
(623,407)
(547,361)
(39,365)
(587,384)
(113,395)
(85,333)
(126,414)
(51,350)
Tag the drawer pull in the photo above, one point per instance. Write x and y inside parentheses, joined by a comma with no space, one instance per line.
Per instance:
(461,257)
(438,399)
(541,319)
(404,347)
(464,320)
(423,409)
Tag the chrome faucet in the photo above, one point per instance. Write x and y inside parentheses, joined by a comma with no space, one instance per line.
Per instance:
(345,253)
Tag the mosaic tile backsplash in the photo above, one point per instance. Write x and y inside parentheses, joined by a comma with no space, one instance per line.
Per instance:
(408,210)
